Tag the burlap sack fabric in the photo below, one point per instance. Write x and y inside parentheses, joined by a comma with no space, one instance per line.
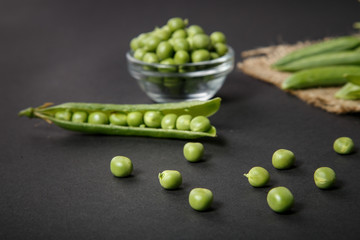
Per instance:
(257,63)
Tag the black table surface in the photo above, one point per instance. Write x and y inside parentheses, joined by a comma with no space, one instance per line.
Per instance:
(56,184)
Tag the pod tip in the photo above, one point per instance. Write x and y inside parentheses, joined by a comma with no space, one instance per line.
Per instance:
(28,112)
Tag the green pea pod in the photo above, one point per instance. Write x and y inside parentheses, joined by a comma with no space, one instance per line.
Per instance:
(322,60)
(332,45)
(194,108)
(320,77)
(351,90)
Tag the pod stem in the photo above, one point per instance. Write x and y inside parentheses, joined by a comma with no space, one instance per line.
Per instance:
(28,112)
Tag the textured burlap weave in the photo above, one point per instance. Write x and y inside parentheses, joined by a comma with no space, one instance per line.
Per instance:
(257,62)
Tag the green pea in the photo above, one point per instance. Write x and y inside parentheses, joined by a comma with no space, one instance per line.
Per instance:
(181,57)
(200,124)
(170,179)
(283,159)
(214,55)
(153,119)
(118,119)
(134,44)
(98,118)
(193,151)
(217,37)
(169,121)
(168,61)
(200,55)
(63,115)
(79,117)
(164,50)
(150,57)
(181,44)
(324,177)
(180,33)
(190,41)
(162,33)
(280,199)
(151,43)
(200,199)
(221,48)
(193,30)
(343,145)
(258,176)
(121,166)
(142,39)
(176,23)
(183,122)
(200,41)
(139,53)
(135,119)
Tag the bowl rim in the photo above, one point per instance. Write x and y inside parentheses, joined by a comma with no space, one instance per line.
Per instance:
(229,55)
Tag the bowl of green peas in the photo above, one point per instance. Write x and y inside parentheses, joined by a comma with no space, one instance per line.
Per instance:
(180,62)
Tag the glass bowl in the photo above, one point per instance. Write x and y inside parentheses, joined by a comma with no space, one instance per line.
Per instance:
(173,83)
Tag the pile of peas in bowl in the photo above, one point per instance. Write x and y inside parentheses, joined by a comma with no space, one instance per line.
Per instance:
(177,62)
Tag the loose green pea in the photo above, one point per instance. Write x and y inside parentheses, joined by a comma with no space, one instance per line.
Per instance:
(200,41)
(170,179)
(193,30)
(217,37)
(181,57)
(162,33)
(118,119)
(98,118)
(200,55)
(258,176)
(193,151)
(200,199)
(200,124)
(180,33)
(183,122)
(214,55)
(169,121)
(283,159)
(343,145)
(324,177)
(168,61)
(151,43)
(135,119)
(121,166)
(142,39)
(153,119)
(181,44)
(280,199)
(164,50)
(176,23)
(134,44)
(150,57)
(63,115)
(221,48)
(79,117)
(139,53)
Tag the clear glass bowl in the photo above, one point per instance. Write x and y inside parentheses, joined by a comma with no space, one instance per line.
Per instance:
(173,83)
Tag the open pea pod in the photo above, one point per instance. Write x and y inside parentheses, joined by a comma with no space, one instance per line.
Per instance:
(48,113)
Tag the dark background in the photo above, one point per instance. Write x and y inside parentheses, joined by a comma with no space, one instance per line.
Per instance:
(56,184)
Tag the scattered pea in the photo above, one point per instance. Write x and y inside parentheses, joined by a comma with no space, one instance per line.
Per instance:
(193,151)
(98,118)
(135,119)
(343,145)
(118,119)
(200,124)
(283,159)
(121,166)
(170,179)
(200,199)
(79,117)
(258,176)
(324,177)
(280,199)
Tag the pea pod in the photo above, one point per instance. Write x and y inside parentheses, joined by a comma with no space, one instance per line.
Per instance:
(321,60)
(320,77)
(351,90)
(47,112)
(332,45)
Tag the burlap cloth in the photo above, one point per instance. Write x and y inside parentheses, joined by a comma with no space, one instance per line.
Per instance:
(257,62)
